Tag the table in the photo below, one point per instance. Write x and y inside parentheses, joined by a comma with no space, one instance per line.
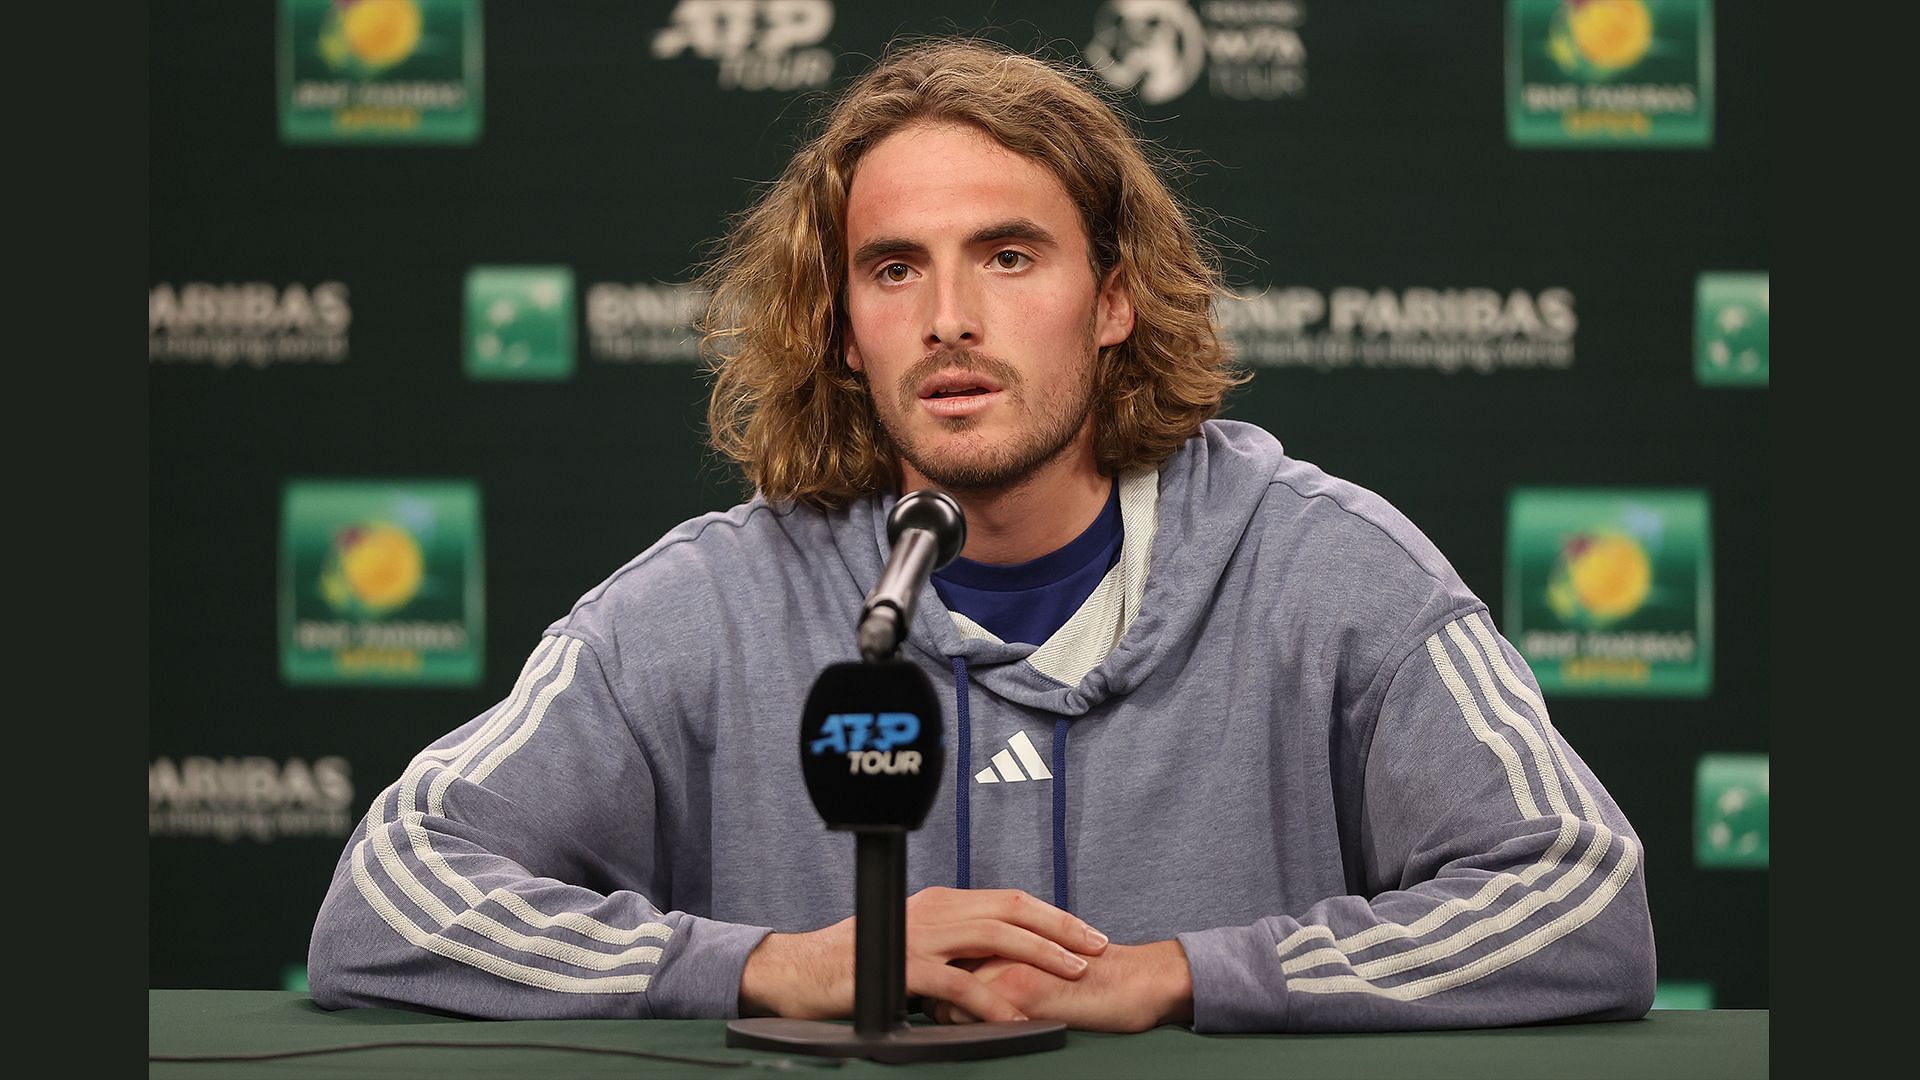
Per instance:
(1665,1044)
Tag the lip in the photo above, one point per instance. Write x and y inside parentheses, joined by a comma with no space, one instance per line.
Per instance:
(958,379)
(955,379)
(948,408)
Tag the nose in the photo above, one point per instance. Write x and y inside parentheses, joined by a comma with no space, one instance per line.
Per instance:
(953,320)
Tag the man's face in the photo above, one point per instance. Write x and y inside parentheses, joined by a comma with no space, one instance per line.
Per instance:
(974,309)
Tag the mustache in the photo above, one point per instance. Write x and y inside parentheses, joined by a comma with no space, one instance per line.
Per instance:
(933,363)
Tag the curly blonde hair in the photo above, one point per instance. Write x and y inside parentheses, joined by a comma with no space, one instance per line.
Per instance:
(786,407)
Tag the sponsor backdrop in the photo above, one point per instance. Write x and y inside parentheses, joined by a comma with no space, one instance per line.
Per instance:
(420,367)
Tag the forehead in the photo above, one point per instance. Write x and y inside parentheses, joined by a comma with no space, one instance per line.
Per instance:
(934,179)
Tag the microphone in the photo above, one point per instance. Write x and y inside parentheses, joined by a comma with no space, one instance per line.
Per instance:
(926,530)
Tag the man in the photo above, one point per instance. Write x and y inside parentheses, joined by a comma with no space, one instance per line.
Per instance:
(1234,745)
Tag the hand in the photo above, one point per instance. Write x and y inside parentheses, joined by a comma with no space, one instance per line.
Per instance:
(1128,988)
(810,976)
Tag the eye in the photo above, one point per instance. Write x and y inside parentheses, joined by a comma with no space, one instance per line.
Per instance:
(895,272)
(1011,259)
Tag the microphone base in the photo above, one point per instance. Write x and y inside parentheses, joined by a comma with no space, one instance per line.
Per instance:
(904,1043)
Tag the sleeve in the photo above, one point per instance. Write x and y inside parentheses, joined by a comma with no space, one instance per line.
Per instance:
(1514,888)
(507,873)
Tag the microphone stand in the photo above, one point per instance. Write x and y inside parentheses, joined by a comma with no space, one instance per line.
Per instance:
(879,932)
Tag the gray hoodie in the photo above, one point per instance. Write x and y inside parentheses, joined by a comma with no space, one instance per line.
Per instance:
(1285,733)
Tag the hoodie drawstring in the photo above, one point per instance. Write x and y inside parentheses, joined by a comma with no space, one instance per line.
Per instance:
(1060,814)
(963,793)
(962,777)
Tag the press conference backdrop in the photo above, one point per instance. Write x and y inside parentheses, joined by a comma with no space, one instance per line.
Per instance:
(421,374)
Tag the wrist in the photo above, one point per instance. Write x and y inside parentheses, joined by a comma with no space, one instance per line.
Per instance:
(760,981)
(798,976)
(1168,980)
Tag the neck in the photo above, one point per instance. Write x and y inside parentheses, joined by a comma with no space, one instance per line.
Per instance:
(1039,514)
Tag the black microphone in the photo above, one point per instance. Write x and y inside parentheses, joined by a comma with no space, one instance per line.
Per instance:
(927,531)
(872,751)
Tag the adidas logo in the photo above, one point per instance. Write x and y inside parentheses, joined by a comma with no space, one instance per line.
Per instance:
(1004,766)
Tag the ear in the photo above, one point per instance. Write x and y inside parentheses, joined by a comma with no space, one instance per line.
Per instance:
(851,353)
(1113,310)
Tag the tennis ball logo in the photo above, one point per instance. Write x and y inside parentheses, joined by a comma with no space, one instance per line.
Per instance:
(374,568)
(1599,578)
(369,36)
(1597,38)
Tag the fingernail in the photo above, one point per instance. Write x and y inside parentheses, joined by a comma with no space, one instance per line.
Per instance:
(1019,1016)
(1095,938)
(1076,961)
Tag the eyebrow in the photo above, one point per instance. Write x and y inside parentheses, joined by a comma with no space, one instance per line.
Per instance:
(1010,229)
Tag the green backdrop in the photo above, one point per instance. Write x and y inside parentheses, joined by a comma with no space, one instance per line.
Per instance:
(1439,309)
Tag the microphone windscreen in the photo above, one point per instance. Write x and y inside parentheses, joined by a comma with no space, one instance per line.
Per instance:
(937,513)
(872,745)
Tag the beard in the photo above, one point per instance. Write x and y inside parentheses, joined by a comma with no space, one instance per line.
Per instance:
(963,463)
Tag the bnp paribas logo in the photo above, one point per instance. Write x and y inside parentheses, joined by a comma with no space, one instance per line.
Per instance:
(1610,72)
(381,582)
(1610,591)
(1732,327)
(380,71)
(519,322)
(1731,813)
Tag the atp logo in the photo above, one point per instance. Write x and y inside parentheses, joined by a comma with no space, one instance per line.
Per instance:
(868,740)
(757,44)
(845,732)
(1160,48)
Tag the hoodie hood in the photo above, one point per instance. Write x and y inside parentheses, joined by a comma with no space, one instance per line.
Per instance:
(1225,466)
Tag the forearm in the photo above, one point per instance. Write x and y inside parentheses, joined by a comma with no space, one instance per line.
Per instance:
(1561,933)
(477,935)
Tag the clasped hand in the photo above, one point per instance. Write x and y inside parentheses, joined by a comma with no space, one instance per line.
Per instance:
(987,954)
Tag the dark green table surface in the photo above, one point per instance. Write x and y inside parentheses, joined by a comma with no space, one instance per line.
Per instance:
(193,1022)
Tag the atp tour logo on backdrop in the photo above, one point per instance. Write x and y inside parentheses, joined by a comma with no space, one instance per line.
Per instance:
(1436,329)
(756,44)
(519,322)
(1250,50)
(381,582)
(380,71)
(1732,316)
(1610,72)
(1611,591)
(644,323)
(249,798)
(253,323)
(1731,812)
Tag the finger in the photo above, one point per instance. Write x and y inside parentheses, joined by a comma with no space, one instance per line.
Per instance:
(1025,909)
(966,943)
(953,1014)
(959,989)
